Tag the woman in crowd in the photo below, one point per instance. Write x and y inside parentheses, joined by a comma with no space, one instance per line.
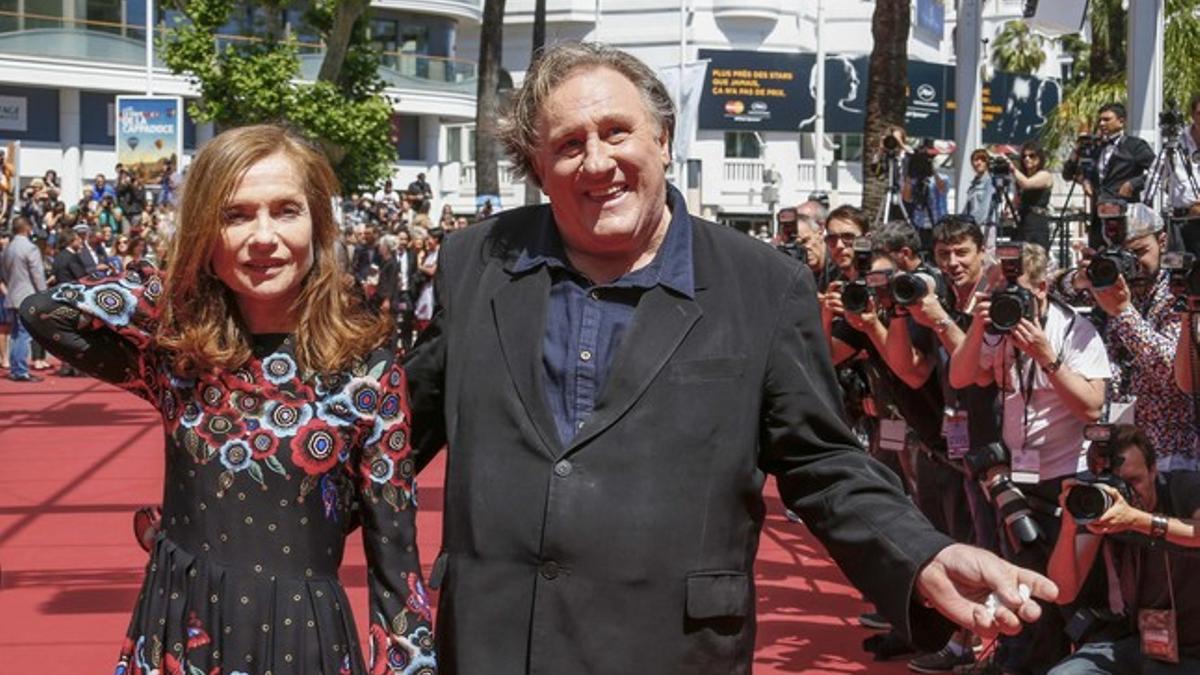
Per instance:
(1034,184)
(286,421)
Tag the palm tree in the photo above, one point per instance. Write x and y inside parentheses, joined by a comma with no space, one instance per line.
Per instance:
(533,194)
(1104,80)
(487,101)
(887,89)
(1018,49)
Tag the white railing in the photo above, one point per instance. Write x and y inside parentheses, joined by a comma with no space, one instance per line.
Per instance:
(508,178)
(743,171)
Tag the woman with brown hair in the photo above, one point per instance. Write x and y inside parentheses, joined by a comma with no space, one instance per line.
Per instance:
(285,410)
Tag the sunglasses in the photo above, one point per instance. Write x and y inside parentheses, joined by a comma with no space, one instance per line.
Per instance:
(846,238)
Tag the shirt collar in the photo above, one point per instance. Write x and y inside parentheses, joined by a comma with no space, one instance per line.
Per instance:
(672,265)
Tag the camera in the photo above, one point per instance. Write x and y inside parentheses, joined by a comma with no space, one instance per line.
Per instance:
(1113,261)
(998,166)
(890,143)
(988,465)
(909,288)
(1184,278)
(920,164)
(1087,148)
(1013,302)
(1171,121)
(1086,501)
(856,296)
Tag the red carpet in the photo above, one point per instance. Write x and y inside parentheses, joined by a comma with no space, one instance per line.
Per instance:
(79,456)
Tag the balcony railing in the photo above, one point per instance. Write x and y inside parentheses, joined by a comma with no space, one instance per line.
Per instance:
(743,171)
(508,177)
(49,36)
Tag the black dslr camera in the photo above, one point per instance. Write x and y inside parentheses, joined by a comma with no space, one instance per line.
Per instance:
(1087,149)
(1171,121)
(1112,262)
(989,466)
(999,167)
(857,294)
(1086,501)
(1013,302)
(1184,279)
(909,288)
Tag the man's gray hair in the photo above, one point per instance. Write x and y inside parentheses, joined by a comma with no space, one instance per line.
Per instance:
(389,242)
(518,129)
(895,235)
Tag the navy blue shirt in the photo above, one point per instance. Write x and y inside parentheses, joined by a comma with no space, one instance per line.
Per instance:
(586,322)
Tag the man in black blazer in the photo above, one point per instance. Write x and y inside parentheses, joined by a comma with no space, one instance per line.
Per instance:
(68,266)
(614,380)
(1117,167)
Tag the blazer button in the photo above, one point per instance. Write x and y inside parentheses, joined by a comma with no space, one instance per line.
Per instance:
(549,569)
(563,469)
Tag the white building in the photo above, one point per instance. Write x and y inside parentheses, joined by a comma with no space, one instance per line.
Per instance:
(63,61)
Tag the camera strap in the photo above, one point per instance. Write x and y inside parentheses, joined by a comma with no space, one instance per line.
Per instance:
(1029,469)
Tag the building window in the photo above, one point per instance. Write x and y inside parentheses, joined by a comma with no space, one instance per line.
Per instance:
(742,145)
(406,131)
(848,147)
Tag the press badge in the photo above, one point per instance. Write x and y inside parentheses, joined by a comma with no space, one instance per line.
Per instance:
(1122,413)
(956,433)
(1160,641)
(892,434)
(1026,466)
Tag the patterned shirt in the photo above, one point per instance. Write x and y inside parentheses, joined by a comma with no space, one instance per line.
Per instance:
(1146,335)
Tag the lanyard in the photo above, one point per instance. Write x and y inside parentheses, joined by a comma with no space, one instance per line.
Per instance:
(1025,385)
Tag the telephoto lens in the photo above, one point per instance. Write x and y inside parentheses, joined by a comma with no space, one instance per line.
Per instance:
(1109,266)
(908,289)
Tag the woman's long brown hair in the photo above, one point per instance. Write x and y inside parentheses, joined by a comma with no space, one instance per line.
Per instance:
(200,319)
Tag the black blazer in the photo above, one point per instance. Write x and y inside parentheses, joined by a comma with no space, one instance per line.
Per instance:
(1129,163)
(632,549)
(68,267)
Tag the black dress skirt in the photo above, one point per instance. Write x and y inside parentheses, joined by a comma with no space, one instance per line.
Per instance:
(268,468)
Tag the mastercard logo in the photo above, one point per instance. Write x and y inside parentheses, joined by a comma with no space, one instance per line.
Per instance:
(735,107)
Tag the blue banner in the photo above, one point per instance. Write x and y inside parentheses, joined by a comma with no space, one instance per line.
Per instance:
(756,91)
(1016,107)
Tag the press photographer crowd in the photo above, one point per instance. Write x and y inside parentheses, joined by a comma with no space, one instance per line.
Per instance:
(1036,398)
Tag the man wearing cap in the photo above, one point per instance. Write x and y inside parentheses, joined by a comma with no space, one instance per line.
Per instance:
(1141,332)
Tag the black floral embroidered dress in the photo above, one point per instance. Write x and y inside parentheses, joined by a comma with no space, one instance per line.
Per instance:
(267,470)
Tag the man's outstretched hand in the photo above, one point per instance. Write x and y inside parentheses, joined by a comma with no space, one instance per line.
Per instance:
(959,579)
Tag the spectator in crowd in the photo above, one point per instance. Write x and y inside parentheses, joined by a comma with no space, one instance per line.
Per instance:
(130,199)
(461,223)
(979,194)
(101,188)
(1156,584)
(22,274)
(1115,167)
(421,187)
(5,326)
(93,255)
(68,265)
(1034,185)
(366,254)
(924,192)
(388,196)
(1142,331)
(50,180)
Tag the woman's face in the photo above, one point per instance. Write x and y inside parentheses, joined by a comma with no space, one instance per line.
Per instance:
(1031,161)
(266,246)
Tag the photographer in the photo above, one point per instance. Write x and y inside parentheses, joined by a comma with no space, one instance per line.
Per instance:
(1034,185)
(1142,332)
(924,193)
(1184,199)
(810,238)
(981,191)
(1156,586)
(1111,166)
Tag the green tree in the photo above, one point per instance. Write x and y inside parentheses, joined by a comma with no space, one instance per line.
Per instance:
(886,90)
(1018,49)
(256,78)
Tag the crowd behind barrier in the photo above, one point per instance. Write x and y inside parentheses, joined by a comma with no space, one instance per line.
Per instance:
(1036,404)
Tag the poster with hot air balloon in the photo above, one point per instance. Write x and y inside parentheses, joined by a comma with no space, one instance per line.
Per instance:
(149,135)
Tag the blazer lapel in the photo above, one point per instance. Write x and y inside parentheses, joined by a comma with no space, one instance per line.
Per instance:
(660,323)
(519,309)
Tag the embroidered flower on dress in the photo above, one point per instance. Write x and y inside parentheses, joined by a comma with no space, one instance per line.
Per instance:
(236,455)
(279,368)
(316,448)
(285,419)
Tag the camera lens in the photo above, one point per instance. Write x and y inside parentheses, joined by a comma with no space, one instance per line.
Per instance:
(890,142)
(856,297)
(1006,312)
(1103,272)
(910,288)
(1086,503)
